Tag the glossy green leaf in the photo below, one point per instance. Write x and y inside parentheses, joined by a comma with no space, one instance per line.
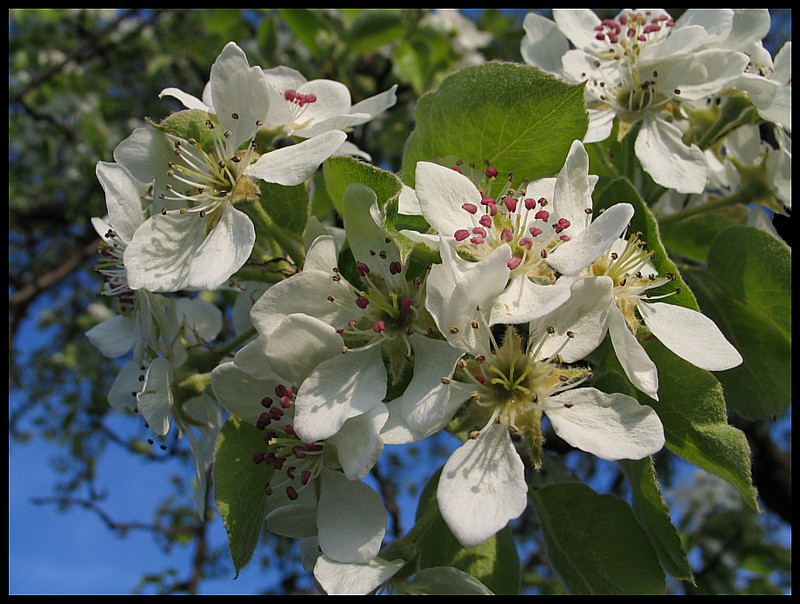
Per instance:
(495,562)
(595,544)
(691,238)
(340,171)
(516,117)
(692,409)
(239,488)
(652,513)
(746,290)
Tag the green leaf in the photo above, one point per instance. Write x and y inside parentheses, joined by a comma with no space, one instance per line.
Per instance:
(746,290)
(305,25)
(239,488)
(516,117)
(652,513)
(289,207)
(495,562)
(691,238)
(692,409)
(594,543)
(340,171)
(373,28)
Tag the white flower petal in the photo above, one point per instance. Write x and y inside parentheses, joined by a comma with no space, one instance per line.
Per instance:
(159,256)
(115,336)
(456,287)
(358,443)
(583,249)
(443,581)
(354,579)
(396,430)
(333,100)
(679,42)
(202,319)
(238,89)
(224,251)
(716,22)
(283,78)
(543,44)
(340,388)
(141,151)
(295,164)
(155,399)
(782,67)
(667,159)
(482,486)
(376,104)
(252,359)
(122,199)
(298,345)
(573,191)
(351,519)
(524,301)
(610,426)
(690,334)
(306,292)
(702,73)
(407,202)
(601,123)
(423,403)
(578,25)
(296,520)
(639,368)
(584,314)
(239,392)
(187,100)
(125,387)
(441,192)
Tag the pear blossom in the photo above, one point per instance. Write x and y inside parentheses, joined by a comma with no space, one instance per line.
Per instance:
(195,236)
(162,330)
(742,160)
(156,328)
(303,108)
(345,516)
(620,289)
(379,319)
(547,223)
(511,385)
(639,68)
(378,576)
(766,81)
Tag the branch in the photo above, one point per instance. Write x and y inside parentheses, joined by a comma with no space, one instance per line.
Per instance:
(120,527)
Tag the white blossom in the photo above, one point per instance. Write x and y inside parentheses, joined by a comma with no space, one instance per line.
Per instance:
(638,68)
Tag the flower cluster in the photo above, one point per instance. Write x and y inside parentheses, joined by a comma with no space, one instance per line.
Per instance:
(646,72)
(478,313)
